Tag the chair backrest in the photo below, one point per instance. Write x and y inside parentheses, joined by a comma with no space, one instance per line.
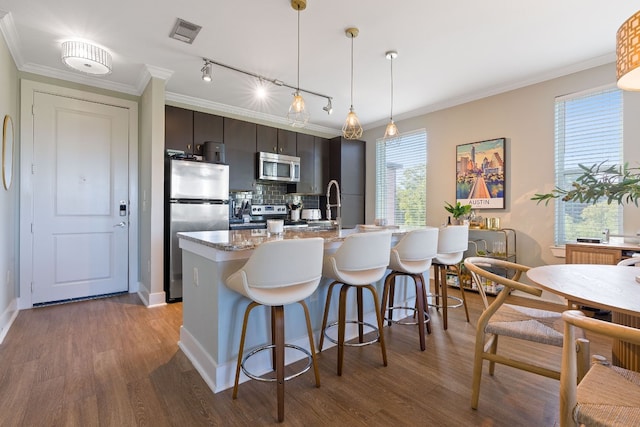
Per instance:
(453,239)
(281,272)
(633,261)
(414,252)
(364,251)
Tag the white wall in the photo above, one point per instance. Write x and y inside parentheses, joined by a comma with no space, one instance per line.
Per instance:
(9,199)
(526,118)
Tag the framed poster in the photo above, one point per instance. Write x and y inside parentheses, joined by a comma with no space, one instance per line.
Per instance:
(480,174)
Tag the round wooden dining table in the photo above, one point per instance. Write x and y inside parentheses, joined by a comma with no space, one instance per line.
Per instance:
(608,287)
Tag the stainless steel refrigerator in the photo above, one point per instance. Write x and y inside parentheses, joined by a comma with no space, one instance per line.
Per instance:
(196,199)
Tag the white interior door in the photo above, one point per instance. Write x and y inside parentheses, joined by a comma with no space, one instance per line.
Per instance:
(80,181)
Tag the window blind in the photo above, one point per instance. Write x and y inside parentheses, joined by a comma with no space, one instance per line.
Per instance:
(401,179)
(588,130)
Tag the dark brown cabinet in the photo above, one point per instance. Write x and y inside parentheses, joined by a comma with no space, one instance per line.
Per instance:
(240,147)
(314,162)
(273,140)
(178,129)
(347,166)
(206,127)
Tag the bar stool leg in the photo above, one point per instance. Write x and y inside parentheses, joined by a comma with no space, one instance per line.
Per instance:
(376,303)
(274,355)
(445,298)
(241,349)
(326,314)
(311,346)
(392,297)
(388,283)
(278,314)
(420,309)
(342,321)
(425,286)
(359,305)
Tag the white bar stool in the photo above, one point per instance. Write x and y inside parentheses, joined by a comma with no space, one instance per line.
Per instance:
(453,241)
(278,273)
(361,260)
(411,256)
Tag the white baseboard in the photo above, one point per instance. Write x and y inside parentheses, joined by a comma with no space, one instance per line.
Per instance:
(155,299)
(7,318)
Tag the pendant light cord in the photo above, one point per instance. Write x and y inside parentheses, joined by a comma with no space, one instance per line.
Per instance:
(391,113)
(352,71)
(298,86)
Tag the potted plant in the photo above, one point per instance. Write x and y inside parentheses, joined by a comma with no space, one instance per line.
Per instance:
(619,184)
(457,211)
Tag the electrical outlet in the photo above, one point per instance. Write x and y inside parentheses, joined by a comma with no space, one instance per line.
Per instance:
(195,276)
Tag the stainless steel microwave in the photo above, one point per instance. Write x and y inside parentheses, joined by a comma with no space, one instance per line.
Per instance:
(278,167)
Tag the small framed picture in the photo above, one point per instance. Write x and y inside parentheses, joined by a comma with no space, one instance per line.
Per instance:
(480,174)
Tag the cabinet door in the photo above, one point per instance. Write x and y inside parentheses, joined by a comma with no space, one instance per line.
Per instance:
(287,142)
(206,127)
(267,139)
(352,210)
(306,152)
(578,254)
(178,129)
(352,167)
(240,147)
(321,164)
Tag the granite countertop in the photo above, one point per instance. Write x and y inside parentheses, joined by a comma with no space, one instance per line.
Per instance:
(238,240)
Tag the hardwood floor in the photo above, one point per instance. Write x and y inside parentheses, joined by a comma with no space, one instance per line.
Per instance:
(114,362)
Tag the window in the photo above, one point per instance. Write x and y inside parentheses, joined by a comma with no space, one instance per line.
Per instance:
(401,179)
(588,130)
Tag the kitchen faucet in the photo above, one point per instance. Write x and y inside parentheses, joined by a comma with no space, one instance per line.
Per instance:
(336,205)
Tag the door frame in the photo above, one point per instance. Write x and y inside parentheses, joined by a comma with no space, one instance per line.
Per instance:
(28,89)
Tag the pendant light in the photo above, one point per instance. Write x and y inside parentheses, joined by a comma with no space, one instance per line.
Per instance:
(628,54)
(298,116)
(352,128)
(391,131)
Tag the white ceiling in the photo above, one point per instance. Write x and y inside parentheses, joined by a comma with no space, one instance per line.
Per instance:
(449,52)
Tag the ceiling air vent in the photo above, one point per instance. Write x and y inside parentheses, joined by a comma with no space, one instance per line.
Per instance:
(185,31)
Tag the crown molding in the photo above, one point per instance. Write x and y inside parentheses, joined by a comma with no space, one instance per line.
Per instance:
(8,29)
(150,71)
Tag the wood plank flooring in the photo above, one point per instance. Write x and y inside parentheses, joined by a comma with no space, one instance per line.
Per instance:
(114,362)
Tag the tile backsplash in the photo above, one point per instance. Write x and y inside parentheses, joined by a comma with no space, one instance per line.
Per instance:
(274,194)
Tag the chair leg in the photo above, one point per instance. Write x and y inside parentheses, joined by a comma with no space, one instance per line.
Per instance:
(342,321)
(493,350)
(273,337)
(278,312)
(312,349)
(388,283)
(419,308)
(445,301)
(241,349)
(425,307)
(326,314)
(392,298)
(359,308)
(477,368)
(376,303)
(436,285)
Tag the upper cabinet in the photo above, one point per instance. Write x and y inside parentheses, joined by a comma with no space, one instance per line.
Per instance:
(240,148)
(178,129)
(273,140)
(314,162)
(206,127)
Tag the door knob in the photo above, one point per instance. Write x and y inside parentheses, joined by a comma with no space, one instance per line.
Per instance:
(121,224)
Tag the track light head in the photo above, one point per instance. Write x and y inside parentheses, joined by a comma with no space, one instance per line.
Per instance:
(206,72)
(329,107)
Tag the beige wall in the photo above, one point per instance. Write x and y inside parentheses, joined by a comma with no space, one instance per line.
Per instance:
(526,118)
(9,199)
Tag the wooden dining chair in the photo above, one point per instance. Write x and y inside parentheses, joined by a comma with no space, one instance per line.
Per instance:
(607,395)
(508,320)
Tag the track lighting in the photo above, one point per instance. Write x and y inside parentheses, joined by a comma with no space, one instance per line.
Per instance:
(329,107)
(206,72)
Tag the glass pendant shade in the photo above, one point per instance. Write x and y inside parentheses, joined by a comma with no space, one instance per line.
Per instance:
(352,128)
(298,116)
(628,54)
(391,131)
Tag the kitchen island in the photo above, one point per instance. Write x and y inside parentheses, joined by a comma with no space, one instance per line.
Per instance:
(212,313)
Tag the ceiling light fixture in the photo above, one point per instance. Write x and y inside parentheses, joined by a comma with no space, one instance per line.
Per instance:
(391,131)
(206,72)
(329,107)
(86,57)
(628,54)
(298,116)
(351,128)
